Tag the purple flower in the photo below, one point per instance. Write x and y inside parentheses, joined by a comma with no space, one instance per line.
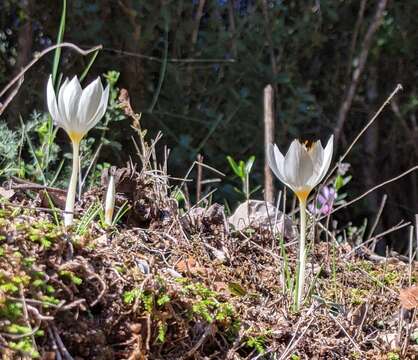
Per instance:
(324,201)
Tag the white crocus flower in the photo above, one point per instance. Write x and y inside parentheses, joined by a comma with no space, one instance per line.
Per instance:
(301,169)
(110,200)
(76,111)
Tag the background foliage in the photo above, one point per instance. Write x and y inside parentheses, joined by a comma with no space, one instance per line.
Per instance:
(197,69)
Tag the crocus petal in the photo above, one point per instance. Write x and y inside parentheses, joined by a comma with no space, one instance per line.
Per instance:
(279,160)
(271,159)
(312,208)
(71,98)
(298,167)
(61,103)
(316,152)
(326,191)
(101,110)
(321,199)
(52,102)
(275,160)
(90,101)
(326,161)
(77,110)
(103,103)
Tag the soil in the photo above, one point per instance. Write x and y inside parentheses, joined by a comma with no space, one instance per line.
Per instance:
(170,283)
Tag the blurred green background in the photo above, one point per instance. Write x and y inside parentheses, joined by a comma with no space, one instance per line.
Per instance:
(197,69)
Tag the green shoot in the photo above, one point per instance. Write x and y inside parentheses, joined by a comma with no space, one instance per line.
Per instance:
(88,218)
(60,38)
(242,170)
(121,212)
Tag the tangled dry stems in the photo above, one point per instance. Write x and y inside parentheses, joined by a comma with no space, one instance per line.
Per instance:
(168,286)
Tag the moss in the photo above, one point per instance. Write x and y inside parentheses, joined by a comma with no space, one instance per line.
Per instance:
(365,265)
(355,355)
(172,307)
(257,343)
(391,278)
(393,356)
(66,274)
(21,263)
(358,296)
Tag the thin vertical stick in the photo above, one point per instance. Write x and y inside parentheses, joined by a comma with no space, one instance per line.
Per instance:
(270,41)
(194,36)
(268,139)
(376,221)
(400,326)
(195,32)
(199,177)
(363,55)
(411,239)
(276,216)
(416,237)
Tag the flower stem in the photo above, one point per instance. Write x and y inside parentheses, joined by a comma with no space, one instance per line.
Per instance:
(302,254)
(69,204)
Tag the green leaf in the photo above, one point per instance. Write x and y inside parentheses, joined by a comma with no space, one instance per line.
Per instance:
(130,296)
(258,187)
(347,179)
(236,289)
(60,37)
(89,65)
(249,164)
(242,167)
(234,166)
(239,191)
(9,288)
(339,183)
(164,299)
(18,329)
(256,343)
(162,330)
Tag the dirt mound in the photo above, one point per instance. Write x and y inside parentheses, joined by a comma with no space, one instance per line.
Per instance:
(185,286)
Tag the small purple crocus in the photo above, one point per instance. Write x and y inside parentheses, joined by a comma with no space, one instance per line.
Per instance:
(324,201)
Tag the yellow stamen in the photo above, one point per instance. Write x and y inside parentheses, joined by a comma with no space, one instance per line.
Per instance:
(308,144)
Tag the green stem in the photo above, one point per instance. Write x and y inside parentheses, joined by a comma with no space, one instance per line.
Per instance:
(247,186)
(302,254)
(69,204)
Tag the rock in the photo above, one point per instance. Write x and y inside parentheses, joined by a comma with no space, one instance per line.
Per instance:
(6,194)
(260,214)
(143,266)
(205,219)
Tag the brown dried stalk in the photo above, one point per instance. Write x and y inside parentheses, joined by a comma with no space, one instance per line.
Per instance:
(19,77)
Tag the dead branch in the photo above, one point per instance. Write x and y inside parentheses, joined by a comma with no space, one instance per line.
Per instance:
(37,57)
(268,139)
(267,26)
(371,190)
(365,48)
